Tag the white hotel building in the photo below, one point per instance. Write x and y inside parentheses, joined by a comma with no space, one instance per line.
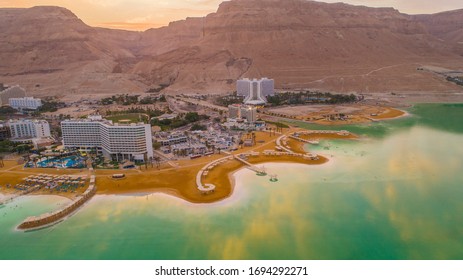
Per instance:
(255,91)
(28,129)
(21,103)
(238,111)
(113,140)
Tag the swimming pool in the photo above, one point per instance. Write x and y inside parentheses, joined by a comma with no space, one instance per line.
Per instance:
(65,162)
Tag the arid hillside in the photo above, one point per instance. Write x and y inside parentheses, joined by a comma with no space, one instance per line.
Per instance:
(301,44)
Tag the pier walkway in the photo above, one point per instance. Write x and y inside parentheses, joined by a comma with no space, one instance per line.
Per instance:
(281,145)
(48,219)
(208,188)
(295,136)
(248,164)
(338,132)
(301,139)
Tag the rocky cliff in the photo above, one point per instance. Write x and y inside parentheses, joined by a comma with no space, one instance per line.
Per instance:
(301,44)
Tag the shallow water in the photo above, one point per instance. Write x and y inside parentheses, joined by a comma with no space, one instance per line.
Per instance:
(394,194)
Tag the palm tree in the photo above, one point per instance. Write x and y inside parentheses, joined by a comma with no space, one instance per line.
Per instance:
(158,161)
(145,159)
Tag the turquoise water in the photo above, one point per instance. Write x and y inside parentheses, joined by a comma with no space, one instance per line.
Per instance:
(395,194)
(66,162)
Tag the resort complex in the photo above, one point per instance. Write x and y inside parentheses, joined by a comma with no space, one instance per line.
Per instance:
(187,146)
(189,155)
(262,130)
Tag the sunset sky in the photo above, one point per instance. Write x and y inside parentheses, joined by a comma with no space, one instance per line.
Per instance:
(144,14)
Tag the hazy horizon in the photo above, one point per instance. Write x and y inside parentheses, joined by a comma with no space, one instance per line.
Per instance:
(144,14)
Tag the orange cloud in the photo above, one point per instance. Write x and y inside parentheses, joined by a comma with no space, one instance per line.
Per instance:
(138,26)
(120,13)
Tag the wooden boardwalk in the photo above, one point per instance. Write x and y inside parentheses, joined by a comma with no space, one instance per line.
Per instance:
(208,188)
(250,166)
(300,139)
(281,145)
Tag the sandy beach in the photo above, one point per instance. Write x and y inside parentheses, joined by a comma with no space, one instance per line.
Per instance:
(390,113)
(179,178)
(176,181)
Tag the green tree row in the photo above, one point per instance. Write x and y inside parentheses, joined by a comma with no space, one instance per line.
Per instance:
(179,121)
(291,98)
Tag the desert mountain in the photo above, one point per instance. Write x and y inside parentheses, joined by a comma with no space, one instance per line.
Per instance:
(301,44)
(49,49)
(447,26)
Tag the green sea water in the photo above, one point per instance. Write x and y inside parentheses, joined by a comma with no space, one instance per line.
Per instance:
(397,193)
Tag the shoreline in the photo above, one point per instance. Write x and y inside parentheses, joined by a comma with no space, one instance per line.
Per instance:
(62,200)
(179,182)
(172,192)
(399,114)
(68,196)
(225,201)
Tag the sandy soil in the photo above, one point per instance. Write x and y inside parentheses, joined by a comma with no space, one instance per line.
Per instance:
(73,111)
(330,114)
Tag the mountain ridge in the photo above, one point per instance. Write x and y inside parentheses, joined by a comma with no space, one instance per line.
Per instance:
(302,44)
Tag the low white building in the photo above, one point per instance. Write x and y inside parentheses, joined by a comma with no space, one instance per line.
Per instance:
(249,113)
(22,103)
(238,111)
(113,140)
(29,129)
(234,111)
(172,139)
